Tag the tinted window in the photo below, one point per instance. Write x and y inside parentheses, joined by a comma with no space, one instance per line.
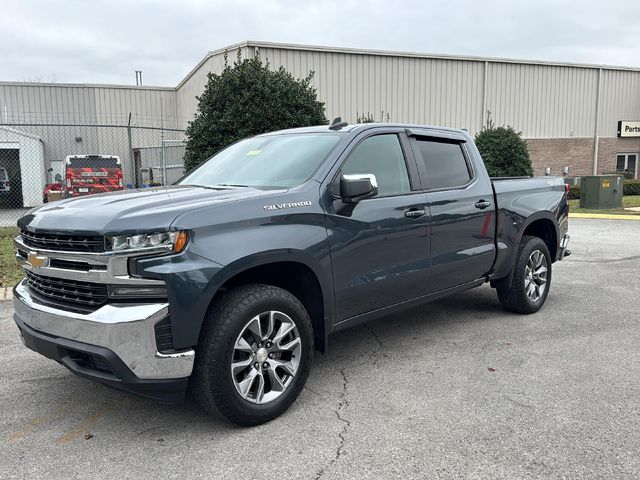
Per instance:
(382,156)
(270,161)
(444,162)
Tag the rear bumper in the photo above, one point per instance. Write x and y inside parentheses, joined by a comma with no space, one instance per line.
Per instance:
(564,244)
(114,345)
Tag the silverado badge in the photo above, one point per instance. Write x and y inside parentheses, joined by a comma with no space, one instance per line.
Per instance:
(279,206)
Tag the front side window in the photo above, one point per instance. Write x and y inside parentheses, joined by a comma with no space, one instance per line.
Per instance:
(278,161)
(382,156)
(444,162)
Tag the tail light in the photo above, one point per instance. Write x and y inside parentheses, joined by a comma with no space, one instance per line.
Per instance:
(567,188)
(120,179)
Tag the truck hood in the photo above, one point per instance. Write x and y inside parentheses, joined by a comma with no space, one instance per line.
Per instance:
(131,211)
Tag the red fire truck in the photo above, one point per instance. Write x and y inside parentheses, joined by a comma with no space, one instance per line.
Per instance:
(89,174)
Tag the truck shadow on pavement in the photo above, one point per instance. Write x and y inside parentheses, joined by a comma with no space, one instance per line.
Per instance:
(79,410)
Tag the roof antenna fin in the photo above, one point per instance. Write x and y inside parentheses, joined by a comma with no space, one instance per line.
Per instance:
(337,124)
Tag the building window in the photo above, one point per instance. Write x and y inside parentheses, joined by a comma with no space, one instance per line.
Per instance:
(627,163)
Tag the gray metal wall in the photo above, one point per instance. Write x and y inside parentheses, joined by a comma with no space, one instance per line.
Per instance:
(539,99)
(87,104)
(90,119)
(193,85)
(542,100)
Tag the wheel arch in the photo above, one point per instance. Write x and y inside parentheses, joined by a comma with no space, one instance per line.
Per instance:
(542,225)
(295,272)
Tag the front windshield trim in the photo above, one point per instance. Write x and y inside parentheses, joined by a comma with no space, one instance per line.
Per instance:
(282,176)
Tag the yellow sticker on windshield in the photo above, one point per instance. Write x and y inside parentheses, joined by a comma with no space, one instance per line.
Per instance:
(253,153)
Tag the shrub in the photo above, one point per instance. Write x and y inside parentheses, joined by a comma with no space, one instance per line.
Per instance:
(631,187)
(574,192)
(504,151)
(365,118)
(246,99)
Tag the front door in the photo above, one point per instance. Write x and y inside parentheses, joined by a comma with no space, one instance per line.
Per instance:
(379,246)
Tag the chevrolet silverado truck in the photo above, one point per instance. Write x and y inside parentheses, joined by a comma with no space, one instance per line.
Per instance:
(224,283)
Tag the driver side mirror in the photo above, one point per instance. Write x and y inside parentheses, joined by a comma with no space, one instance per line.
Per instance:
(356,187)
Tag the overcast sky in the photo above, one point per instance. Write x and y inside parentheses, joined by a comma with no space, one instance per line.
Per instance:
(104,41)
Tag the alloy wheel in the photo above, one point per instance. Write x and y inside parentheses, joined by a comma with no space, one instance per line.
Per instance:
(266,357)
(535,275)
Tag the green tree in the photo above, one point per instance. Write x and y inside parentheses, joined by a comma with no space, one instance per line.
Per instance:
(248,98)
(504,151)
(365,118)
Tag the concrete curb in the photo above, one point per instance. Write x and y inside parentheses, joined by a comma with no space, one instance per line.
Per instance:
(6,294)
(604,216)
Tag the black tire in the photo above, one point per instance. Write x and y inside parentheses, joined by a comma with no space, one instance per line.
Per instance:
(515,299)
(212,383)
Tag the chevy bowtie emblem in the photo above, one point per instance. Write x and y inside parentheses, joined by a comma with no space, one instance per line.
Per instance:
(37,261)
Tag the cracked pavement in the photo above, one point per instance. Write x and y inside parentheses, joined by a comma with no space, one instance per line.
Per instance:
(453,389)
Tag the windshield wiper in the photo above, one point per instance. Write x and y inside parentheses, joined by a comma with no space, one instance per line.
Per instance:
(212,187)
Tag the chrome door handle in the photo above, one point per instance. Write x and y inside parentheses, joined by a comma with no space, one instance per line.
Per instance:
(415,213)
(482,204)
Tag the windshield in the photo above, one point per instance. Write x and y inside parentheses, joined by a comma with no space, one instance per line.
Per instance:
(279,161)
(93,162)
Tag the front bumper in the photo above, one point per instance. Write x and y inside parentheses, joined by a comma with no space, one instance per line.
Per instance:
(115,344)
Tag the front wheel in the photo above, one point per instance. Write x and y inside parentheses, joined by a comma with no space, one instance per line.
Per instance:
(254,354)
(531,278)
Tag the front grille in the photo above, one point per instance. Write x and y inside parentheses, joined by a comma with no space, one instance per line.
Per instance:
(63,242)
(70,294)
(73,265)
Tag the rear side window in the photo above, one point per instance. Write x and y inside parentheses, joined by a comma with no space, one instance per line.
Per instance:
(444,163)
(381,155)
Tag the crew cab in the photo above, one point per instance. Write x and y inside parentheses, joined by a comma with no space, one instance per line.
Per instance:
(225,282)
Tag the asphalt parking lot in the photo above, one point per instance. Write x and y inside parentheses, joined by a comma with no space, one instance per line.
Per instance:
(455,389)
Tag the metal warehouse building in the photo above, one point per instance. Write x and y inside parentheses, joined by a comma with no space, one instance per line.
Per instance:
(569,113)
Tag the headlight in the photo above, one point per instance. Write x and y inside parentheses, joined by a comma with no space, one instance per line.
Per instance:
(171,241)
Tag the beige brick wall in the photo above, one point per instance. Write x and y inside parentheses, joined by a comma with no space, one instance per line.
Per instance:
(608,148)
(577,154)
(557,153)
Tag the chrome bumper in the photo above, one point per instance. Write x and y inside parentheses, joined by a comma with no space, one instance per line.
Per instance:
(125,329)
(564,243)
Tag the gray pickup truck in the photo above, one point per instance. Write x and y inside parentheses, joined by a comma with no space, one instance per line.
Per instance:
(224,283)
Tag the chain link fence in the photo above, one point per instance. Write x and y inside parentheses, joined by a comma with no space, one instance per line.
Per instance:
(46,162)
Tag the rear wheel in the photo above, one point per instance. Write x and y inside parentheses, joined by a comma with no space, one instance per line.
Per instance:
(531,278)
(254,354)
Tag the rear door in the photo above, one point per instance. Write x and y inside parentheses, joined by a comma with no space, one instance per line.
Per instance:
(460,200)
(379,246)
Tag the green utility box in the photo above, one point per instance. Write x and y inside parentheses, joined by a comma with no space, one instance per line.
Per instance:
(600,192)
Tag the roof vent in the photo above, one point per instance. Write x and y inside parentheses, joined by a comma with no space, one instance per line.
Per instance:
(337,124)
